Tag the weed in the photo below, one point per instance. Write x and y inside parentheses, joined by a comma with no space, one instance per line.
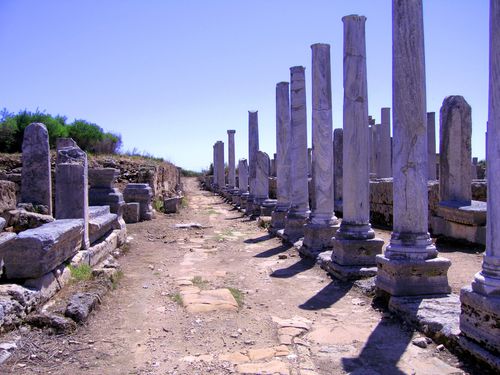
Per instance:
(199,282)
(116,279)
(237,294)
(177,298)
(82,272)
(184,202)
(264,224)
(158,204)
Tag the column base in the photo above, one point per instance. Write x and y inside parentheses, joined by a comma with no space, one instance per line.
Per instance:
(480,318)
(344,272)
(243,201)
(267,207)
(277,220)
(249,205)
(352,252)
(294,226)
(317,238)
(410,277)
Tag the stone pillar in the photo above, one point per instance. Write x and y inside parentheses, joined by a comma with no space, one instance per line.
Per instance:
(481,302)
(385,160)
(231,181)
(455,132)
(372,149)
(102,191)
(473,169)
(431,145)
(72,199)
(263,205)
(410,265)
(299,208)
(36,182)
(283,160)
(243,182)
(215,184)
(322,223)
(221,175)
(253,148)
(309,161)
(142,194)
(355,245)
(338,141)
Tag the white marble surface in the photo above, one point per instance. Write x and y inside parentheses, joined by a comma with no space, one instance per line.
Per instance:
(431,145)
(283,145)
(384,160)
(253,147)
(338,139)
(262,176)
(243,175)
(231,178)
(221,176)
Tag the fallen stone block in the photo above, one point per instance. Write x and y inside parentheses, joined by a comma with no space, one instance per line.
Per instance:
(131,212)
(22,220)
(171,205)
(81,305)
(35,252)
(3,223)
(102,225)
(58,323)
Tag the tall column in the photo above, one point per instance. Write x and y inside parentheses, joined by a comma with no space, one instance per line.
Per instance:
(231,181)
(221,175)
(299,208)
(431,145)
(355,245)
(253,148)
(215,184)
(322,223)
(338,140)
(385,162)
(283,161)
(410,265)
(481,303)
(243,183)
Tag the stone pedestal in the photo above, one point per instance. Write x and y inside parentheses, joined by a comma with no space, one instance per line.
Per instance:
(36,182)
(221,176)
(102,191)
(142,194)
(299,207)
(253,148)
(242,184)
(322,222)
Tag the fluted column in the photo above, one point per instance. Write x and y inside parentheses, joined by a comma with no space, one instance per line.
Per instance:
(385,162)
(322,223)
(253,148)
(411,249)
(431,145)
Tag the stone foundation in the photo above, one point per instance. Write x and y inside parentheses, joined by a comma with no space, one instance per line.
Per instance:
(344,272)
(412,277)
(317,238)
(294,227)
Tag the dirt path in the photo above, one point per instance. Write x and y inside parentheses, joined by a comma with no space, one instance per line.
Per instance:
(273,312)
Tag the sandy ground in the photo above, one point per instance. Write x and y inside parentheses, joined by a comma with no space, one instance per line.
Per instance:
(228,298)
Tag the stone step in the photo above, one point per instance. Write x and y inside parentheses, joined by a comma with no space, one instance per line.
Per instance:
(96,211)
(100,225)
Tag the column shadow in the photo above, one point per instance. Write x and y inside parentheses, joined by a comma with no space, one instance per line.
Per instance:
(302,265)
(327,296)
(381,352)
(258,239)
(273,251)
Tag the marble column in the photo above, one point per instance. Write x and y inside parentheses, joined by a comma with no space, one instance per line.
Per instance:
(243,183)
(481,301)
(410,265)
(36,181)
(338,141)
(253,148)
(283,161)
(264,205)
(215,184)
(299,205)
(221,175)
(455,132)
(385,160)
(231,180)
(431,145)
(322,222)
(355,245)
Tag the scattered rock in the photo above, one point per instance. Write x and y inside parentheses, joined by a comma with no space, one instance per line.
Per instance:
(49,320)
(80,306)
(421,342)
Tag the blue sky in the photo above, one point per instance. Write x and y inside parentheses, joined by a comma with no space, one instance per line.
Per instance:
(172,76)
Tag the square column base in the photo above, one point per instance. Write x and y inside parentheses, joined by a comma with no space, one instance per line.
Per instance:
(294,228)
(411,277)
(348,252)
(480,318)
(317,238)
(344,272)
(267,207)
(277,220)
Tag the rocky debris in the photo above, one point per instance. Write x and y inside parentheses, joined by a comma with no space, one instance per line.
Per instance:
(58,323)
(421,342)
(8,199)
(275,367)
(189,225)
(80,305)
(6,350)
(3,222)
(21,220)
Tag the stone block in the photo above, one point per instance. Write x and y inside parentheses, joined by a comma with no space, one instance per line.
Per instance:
(35,252)
(278,220)
(96,211)
(294,227)
(473,214)
(3,223)
(7,196)
(318,237)
(267,207)
(347,252)
(102,225)
(171,205)
(102,177)
(131,212)
(143,194)
(450,229)
(409,277)
(107,196)
(343,272)
(480,318)
(22,220)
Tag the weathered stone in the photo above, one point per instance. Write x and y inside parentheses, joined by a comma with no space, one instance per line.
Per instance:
(142,194)
(473,213)
(455,133)
(72,200)
(7,196)
(457,231)
(299,208)
(221,177)
(36,184)
(209,300)
(3,222)
(283,161)
(35,252)
(231,178)
(101,224)
(171,205)
(385,148)
(274,367)
(80,306)
(58,323)
(253,148)
(102,177)
(431,145)
(131,212)
(338,168)
(22,220)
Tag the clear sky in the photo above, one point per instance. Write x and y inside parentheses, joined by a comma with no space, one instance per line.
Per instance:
(172,76)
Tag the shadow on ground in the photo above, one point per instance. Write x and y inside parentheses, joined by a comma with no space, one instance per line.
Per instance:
(273,251)
(302,265)
(327,296)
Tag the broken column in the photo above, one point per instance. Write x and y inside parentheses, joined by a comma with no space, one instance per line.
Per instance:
(263,205)
(384,160)
(142,194)
(457,216)
(253,148)
(299,208)
(338,141)
(231,177)
(410,265)
(481,301)
(221,175)
(283,161)
(431,145)
(243,183)
(72,200)
(322,222)
(215,184)
(36,182)
(102,191)
(355,245)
